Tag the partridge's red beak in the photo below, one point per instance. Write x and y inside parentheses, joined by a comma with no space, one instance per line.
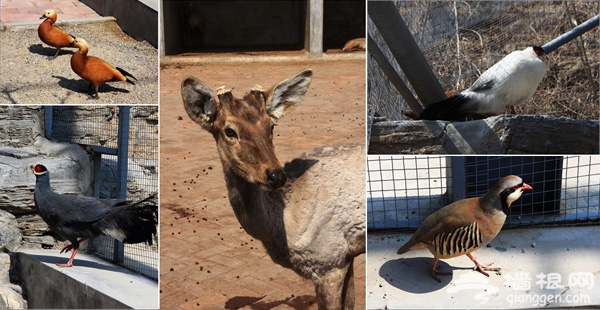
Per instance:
(526,187)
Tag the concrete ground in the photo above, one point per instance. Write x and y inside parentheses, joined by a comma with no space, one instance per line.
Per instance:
(44,80)
(113,281)
(541,267)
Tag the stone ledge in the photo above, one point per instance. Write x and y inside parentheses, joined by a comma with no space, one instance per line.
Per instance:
(90,283)
(504,134)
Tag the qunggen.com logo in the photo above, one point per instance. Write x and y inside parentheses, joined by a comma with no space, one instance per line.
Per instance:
(522,281)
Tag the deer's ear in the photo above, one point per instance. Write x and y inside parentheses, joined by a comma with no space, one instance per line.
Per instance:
(287,94)
(199,102)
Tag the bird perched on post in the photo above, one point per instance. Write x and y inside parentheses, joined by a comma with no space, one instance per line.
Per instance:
(510,82)
(95,70)
(74,217)
(466,225)
(51,35)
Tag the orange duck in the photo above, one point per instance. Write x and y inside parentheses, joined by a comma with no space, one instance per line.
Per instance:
(94,69)
(51,35)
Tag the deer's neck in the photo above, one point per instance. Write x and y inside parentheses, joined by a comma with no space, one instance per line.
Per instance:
(261,214)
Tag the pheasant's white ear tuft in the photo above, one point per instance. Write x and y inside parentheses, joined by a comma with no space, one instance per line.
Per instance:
(287,94)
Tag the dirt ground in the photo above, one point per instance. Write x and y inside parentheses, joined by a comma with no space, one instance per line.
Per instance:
(207,260)
(28,76)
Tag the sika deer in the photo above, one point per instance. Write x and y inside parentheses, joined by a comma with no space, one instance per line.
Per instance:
(310,214)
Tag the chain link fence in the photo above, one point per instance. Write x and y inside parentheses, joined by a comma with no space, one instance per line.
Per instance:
(462,39)
(404,190)
(97,129)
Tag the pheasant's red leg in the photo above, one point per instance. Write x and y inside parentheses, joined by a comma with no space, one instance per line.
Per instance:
(480,267)
(510,109)
(434,270)
(70,246)
(70,262)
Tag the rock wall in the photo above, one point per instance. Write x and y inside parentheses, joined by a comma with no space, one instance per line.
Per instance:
(20,125)
(23,143)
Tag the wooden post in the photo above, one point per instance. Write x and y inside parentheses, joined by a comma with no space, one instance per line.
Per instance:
(405,50)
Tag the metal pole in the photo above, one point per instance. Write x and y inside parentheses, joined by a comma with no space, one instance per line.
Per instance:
(122,161)
(457,178)
(571,34)
(122,151)
(48,121)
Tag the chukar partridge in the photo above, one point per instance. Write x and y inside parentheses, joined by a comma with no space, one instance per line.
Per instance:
(466,225)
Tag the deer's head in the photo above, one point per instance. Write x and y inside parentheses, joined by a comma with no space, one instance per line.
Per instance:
(243,128)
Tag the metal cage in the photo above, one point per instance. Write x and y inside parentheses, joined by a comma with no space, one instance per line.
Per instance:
(123,142)
(403,190)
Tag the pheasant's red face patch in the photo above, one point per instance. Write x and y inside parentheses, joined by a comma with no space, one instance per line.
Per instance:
(39,168)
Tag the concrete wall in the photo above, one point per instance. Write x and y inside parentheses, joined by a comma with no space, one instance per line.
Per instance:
(138,18)
(48,288)
(204,26)
(90,284)
(342,21)
(232,25)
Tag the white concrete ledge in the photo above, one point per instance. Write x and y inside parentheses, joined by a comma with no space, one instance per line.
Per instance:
(90,283)
(403,281)
(245,57)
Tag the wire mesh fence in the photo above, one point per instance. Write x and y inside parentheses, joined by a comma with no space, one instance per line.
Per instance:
(96,128)
(461,39)
(404,190)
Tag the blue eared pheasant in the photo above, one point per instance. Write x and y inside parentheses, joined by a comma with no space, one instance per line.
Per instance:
(74,217)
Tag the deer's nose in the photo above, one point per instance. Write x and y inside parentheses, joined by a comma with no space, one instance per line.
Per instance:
(276,178)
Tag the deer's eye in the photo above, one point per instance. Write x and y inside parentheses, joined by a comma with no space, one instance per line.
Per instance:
(230,133)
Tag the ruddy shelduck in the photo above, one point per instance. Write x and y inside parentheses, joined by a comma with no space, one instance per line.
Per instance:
(94,69)
(51,35)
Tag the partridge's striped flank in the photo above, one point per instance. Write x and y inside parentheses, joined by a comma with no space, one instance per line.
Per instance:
(459,241)
(466,225)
